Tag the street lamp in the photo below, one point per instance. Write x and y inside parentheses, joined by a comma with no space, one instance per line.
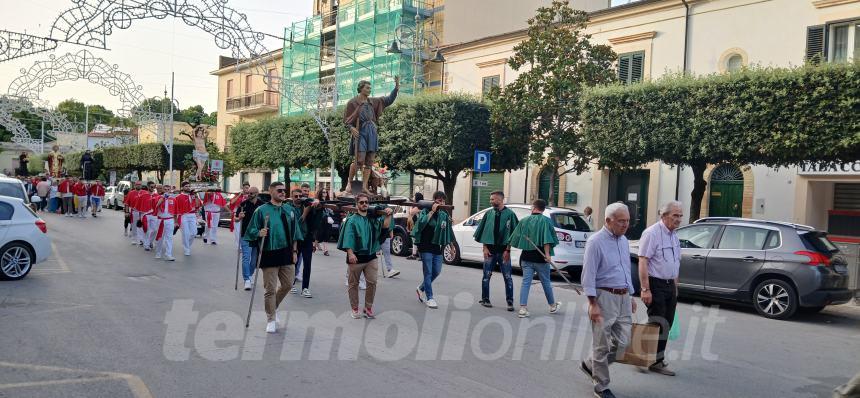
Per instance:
(416,39)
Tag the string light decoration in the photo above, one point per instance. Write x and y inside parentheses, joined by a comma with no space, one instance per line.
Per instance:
(16,45)
(9,105)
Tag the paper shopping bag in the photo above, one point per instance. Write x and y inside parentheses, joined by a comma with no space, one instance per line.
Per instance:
(642,350)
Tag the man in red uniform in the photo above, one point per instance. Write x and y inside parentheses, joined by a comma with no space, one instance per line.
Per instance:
(213,201)
(143,207)
(187,204)
(129,201)
(97,192)
(235,201)
(79,189)
(152,217)
(166,211)
(64,188)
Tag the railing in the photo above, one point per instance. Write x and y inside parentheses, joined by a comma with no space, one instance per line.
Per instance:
(253,100)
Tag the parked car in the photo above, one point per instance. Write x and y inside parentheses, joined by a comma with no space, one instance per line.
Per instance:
(24,239)
(777,267)
(115,200)
(14,188)
(570,227)
(401,243)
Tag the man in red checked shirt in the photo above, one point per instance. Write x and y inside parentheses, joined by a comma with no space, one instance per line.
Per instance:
(64,188)
(129,201)
(80,190)
(165,209)
(143,207)
(97,192)
(187,204)
(213,201)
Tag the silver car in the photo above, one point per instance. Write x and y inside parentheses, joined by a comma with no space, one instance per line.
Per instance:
(780,268)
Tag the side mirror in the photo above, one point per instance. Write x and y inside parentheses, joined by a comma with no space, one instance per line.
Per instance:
(35,199)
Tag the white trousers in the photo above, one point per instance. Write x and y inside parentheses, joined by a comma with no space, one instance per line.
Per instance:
(138,230)
(211,234)
(152,228)
(189,231)
(82,206)
(165,244)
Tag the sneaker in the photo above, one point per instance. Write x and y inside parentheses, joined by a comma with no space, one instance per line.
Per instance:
(554,308)
(147,248)
(134,243)
(368,312)
(187,253)
(524,313)
(214,243)
(585,369)
(204,240)
(306,293)
(393,273)
(272,327)
(420,294)
(169,258)
(247,285)
(604,394)
(294,290)
(431,303)
(661,368)
(510,307)
(355,314)
(411,257)
(485,303)
(158,256)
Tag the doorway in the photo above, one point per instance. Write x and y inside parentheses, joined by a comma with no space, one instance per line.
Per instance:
(631,188)
(727,192)
(547,175)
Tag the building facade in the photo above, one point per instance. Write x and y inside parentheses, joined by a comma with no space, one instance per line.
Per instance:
(655,37)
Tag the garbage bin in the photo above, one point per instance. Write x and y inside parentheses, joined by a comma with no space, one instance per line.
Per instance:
(850,251)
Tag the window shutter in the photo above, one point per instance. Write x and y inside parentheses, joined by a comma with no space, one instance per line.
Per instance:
(624,69)
(636,64)
(815,51)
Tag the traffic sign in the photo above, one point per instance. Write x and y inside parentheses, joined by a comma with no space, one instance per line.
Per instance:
(216,165)
(482,162)
(480,183)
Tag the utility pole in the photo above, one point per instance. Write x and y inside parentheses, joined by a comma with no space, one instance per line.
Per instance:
(335,95)
(172,110)
(42,146)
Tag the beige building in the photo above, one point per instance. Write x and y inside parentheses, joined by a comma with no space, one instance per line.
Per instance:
(244,94)
(656,37)
(152,132)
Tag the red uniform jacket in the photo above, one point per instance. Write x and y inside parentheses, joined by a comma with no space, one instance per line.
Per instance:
(143,203)
(130,198)
(168,204)
(79,189)
(97,190)
(65,186)
(185,204)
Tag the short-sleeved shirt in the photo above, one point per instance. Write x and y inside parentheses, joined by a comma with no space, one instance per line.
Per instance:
(662,248)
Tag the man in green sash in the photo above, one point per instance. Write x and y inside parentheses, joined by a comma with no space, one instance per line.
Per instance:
(535,235)
(433,232)
(278,249)
(360,237)
(494,232)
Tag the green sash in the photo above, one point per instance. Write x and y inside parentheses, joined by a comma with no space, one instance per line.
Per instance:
(485,231)
(539,229)
(360,234)
(443,234)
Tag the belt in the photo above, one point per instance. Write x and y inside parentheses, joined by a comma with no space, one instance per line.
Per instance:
(614,291)
(664,281)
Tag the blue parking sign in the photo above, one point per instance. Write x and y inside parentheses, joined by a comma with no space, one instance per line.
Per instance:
(482,162)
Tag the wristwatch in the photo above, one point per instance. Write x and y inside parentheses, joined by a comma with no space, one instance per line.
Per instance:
(645,289)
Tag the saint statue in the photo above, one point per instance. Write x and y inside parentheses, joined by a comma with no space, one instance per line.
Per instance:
(200,154)
(55,162)
(362,115)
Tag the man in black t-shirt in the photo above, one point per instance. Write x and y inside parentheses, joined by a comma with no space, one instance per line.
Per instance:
(249,248)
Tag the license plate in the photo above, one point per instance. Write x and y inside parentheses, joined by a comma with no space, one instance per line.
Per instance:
(580,244)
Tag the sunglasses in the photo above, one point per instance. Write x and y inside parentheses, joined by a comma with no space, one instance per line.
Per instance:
(363,202)
(281,190)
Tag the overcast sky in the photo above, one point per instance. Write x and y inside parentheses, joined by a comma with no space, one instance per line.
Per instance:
(149,50)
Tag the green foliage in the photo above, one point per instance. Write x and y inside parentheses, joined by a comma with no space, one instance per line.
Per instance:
(76,112)
(145,157)
(558,62)
(72,163)
(773,116)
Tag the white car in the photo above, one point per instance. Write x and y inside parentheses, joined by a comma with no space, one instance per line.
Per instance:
(24,239)
(14,188)
(570,227)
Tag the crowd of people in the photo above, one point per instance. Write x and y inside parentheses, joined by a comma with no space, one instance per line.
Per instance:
(69,196)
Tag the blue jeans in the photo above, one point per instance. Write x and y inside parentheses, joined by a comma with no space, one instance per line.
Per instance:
(505,266)
(249,257)
(432,267)
(542,269)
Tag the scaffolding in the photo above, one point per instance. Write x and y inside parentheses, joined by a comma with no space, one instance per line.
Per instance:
(360,33)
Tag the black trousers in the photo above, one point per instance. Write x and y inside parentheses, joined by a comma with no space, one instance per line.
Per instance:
(661,311)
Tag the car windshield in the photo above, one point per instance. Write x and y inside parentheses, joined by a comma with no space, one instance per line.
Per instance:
(570,222)
(13,190)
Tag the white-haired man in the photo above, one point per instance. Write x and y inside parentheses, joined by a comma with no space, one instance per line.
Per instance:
(608,284)
(659,263)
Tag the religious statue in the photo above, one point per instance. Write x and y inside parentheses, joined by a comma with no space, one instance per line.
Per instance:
(55,162)
(362,115)
(200,154)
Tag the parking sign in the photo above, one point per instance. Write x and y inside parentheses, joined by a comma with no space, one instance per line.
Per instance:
(482,162)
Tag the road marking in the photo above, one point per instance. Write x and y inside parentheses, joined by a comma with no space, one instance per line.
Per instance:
(63,266)
(135,384)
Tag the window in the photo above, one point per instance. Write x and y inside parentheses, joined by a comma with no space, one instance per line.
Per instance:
(734,63)
(267,180)
(248,84)
(488,83)
(743,238)
(773,240)
(13,190)
(570,222)
(243,178)
(272,79)
(227,130)
(697,236)
(6,211)
(229,88)
(835,42)
(631,67)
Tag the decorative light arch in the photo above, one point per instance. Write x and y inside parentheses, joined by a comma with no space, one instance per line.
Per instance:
(11,104)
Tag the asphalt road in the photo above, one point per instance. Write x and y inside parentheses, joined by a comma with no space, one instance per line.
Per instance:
(102,318)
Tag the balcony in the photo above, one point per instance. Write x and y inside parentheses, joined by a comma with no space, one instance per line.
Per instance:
(255,103)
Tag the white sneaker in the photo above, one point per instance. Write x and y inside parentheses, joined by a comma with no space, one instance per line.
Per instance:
(420,294)
(294,290)
(272,327)
(306,293)
(393,273)
(247,285)
(169,258)
(523,313)
(431,303)
(554,308)
(158,256)
(187,253)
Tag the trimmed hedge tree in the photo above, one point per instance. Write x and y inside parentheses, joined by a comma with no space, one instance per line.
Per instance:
(146,157)
(773,117)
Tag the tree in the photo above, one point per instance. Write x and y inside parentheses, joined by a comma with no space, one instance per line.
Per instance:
(773,117)
(434,136)
(557,62)
(146,157)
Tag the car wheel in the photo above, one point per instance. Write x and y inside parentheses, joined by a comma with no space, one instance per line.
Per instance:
(16,259)
(775,299)
(400,244)
(451,254)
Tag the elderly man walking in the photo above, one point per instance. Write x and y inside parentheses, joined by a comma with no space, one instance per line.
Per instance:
(608,284)
(659,262)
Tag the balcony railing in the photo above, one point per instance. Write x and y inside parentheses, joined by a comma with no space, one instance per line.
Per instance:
(259,102)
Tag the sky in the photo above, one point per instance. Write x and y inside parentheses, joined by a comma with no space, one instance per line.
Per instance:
(149,50)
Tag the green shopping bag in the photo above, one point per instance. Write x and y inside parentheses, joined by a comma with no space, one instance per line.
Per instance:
(675,331)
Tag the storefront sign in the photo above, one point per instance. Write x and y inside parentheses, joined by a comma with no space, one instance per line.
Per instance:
(829,168)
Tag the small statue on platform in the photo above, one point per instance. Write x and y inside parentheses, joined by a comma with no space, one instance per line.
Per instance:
(55,162)
(362,116)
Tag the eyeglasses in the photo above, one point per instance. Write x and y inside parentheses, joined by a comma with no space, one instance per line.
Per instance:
(363,202)
(281,190)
